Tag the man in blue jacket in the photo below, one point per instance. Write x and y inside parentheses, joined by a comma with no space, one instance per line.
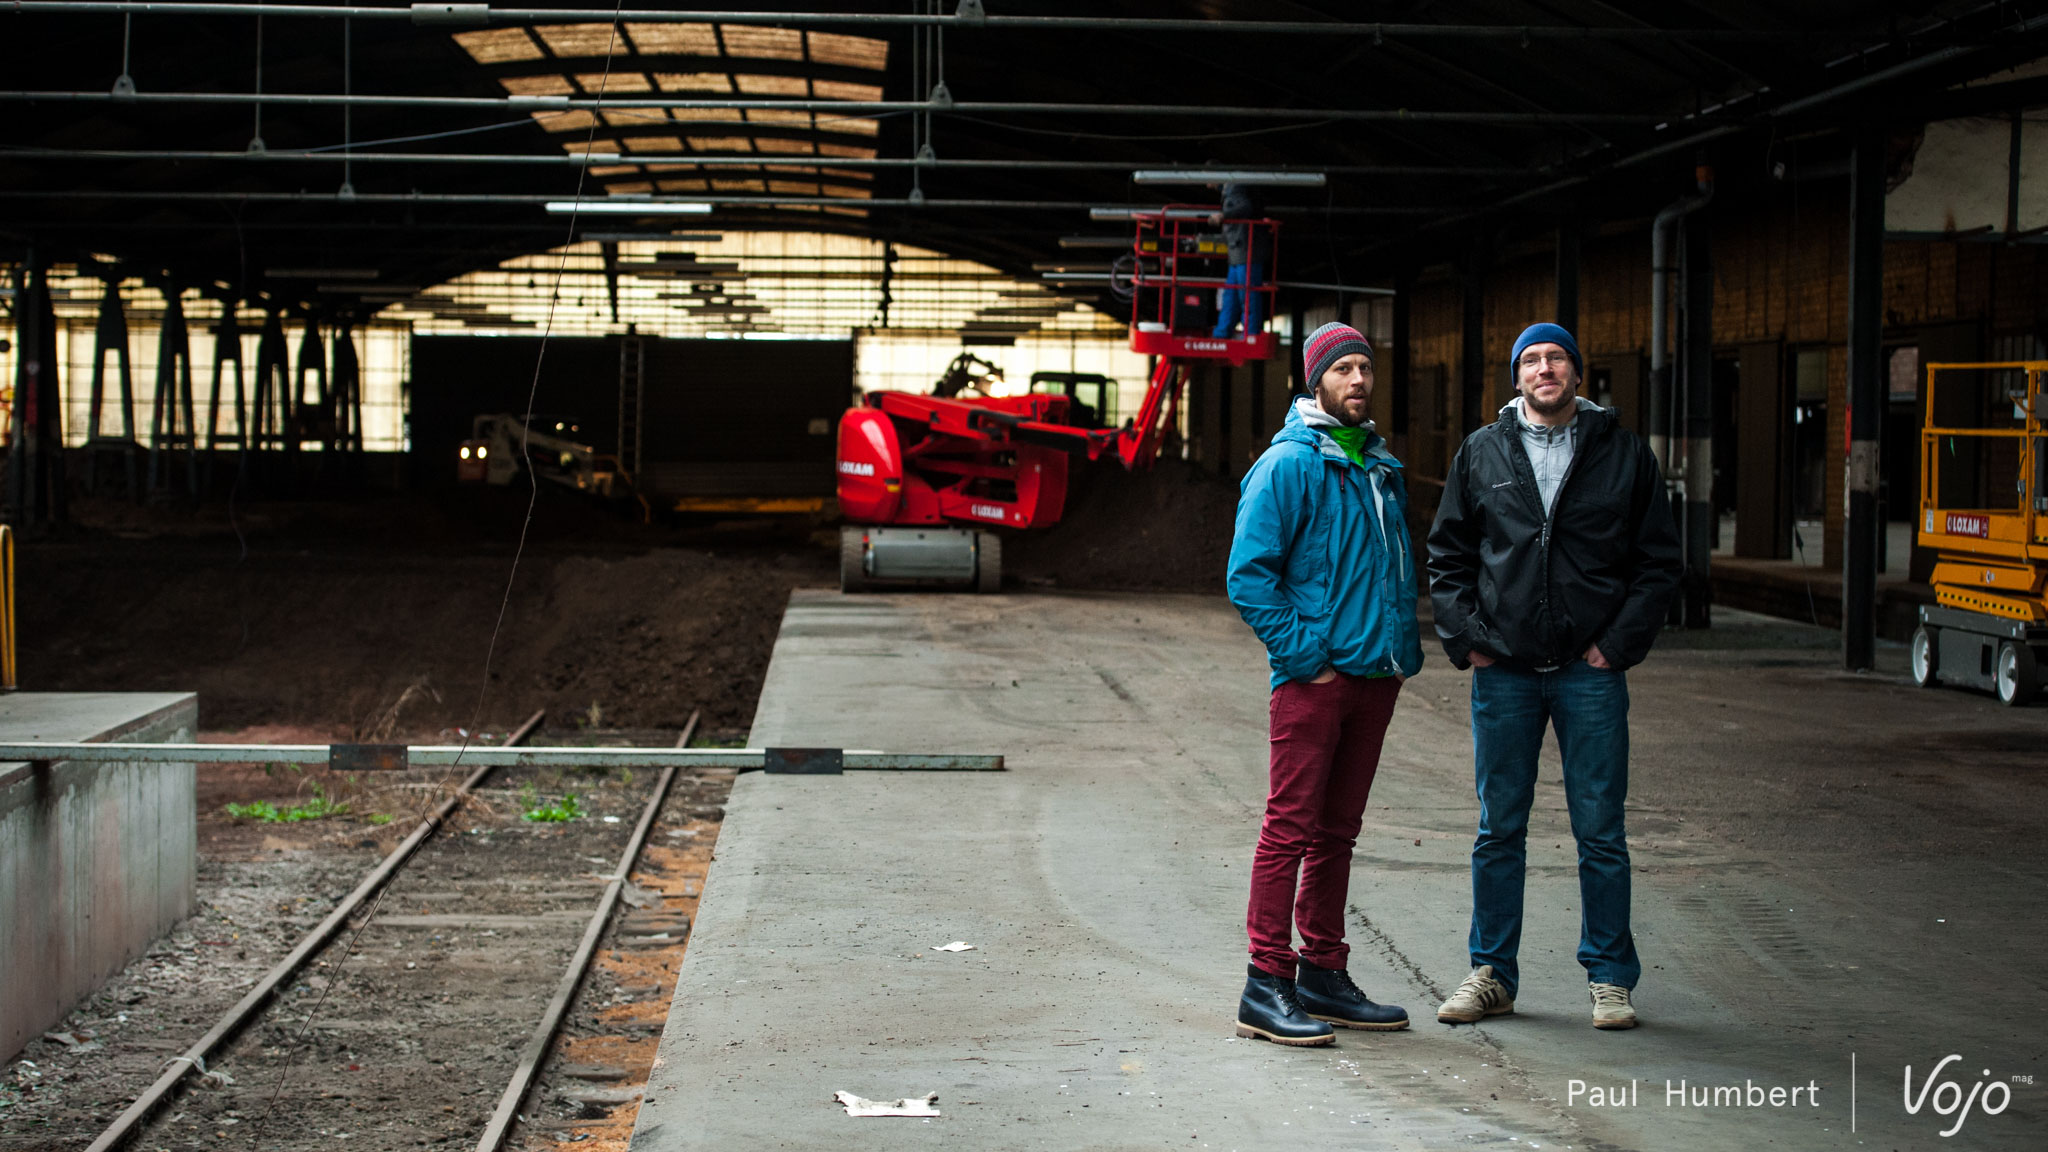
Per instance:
(1321,568)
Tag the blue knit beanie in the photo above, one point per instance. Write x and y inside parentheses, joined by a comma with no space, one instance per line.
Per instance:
(1545,334)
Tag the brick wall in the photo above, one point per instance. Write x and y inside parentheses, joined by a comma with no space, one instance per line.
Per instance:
(1780,273)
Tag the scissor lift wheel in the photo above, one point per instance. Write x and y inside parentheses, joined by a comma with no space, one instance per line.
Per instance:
(2018,676)
(1926,656)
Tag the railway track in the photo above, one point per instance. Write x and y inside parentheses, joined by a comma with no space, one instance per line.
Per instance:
(454,964)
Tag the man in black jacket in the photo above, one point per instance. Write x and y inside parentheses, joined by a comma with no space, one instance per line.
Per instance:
(1551,563)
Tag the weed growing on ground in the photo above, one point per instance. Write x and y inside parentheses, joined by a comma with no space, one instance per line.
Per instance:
(379,818)
(564,810)
(263,811)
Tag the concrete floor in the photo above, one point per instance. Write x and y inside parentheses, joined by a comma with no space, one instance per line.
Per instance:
(1830,868)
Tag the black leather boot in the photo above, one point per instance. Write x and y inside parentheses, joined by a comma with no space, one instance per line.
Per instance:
(1270,1012)
(1328,994)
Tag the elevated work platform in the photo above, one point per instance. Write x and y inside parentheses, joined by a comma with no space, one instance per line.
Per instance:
(96,860)
(1102,882)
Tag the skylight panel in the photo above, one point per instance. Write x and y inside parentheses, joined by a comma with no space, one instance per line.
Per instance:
(841,90)
(730,185)
(792,147)
(721,143)
(703,115)
(849,51)
(634,117)
(581,39)
(537,85)
(630,188)
(849,151)
(654,144)
(682,185)
(498,45)
(594,82)
(693,81)
(792,188)
(779,116)
(574,120)
(762,43)
(674,39)
(755,84)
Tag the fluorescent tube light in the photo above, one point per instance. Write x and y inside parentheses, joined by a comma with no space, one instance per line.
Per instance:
(616,206)
(1228,176)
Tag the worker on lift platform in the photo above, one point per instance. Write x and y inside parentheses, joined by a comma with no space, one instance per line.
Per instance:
(1248,253)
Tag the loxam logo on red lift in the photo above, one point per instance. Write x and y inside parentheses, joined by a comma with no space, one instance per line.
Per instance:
(1961,525)
(986,511)
(856,468)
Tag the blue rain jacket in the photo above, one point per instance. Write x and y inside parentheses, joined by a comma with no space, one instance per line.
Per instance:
(1321,566)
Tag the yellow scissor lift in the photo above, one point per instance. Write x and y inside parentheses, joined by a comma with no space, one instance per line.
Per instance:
(1984,510)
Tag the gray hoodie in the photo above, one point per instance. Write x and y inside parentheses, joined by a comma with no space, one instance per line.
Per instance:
(1549,447)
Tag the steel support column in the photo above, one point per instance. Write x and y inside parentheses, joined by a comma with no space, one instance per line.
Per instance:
(1568,274)
(35,457)
(312,419)
(1866,398)
(348,390)
(172,428)
(270,417)
(344,446)
(1401,371)
(110,335)
(1696,409)
(227,349)
(1472,340)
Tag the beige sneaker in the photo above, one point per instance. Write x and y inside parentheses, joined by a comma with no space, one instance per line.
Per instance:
(1478,997)
(1611,1008)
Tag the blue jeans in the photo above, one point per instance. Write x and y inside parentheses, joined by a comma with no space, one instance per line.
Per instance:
(1231,307)
(1588,707)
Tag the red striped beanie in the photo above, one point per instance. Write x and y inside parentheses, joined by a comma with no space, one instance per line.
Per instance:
(1327,345)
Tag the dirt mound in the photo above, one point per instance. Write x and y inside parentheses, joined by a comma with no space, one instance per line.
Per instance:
(375,620)
(1167,529)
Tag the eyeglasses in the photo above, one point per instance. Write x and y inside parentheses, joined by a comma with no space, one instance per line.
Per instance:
(1554,359)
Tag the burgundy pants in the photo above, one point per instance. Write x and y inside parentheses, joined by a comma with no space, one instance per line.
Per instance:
(1326,747)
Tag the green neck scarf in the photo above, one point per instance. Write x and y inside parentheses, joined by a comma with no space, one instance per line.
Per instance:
(1351,440)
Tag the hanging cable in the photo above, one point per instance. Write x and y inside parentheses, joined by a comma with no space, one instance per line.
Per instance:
(124,84)
(256,138)
(533,389)
(348,187)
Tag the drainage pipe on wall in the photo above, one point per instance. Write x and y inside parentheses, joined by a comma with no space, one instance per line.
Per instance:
(1662,394)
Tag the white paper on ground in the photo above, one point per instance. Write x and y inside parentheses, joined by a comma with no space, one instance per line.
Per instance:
(955,946)
(913,1106)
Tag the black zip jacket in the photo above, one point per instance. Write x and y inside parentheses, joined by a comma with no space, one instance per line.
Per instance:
(1536,591)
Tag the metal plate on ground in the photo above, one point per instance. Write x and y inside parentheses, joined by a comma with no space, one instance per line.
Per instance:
(366,757)
(803,761)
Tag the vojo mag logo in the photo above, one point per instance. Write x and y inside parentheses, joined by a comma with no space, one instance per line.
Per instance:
(1945,1097)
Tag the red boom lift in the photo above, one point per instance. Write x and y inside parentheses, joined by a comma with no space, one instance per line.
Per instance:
(927,482)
